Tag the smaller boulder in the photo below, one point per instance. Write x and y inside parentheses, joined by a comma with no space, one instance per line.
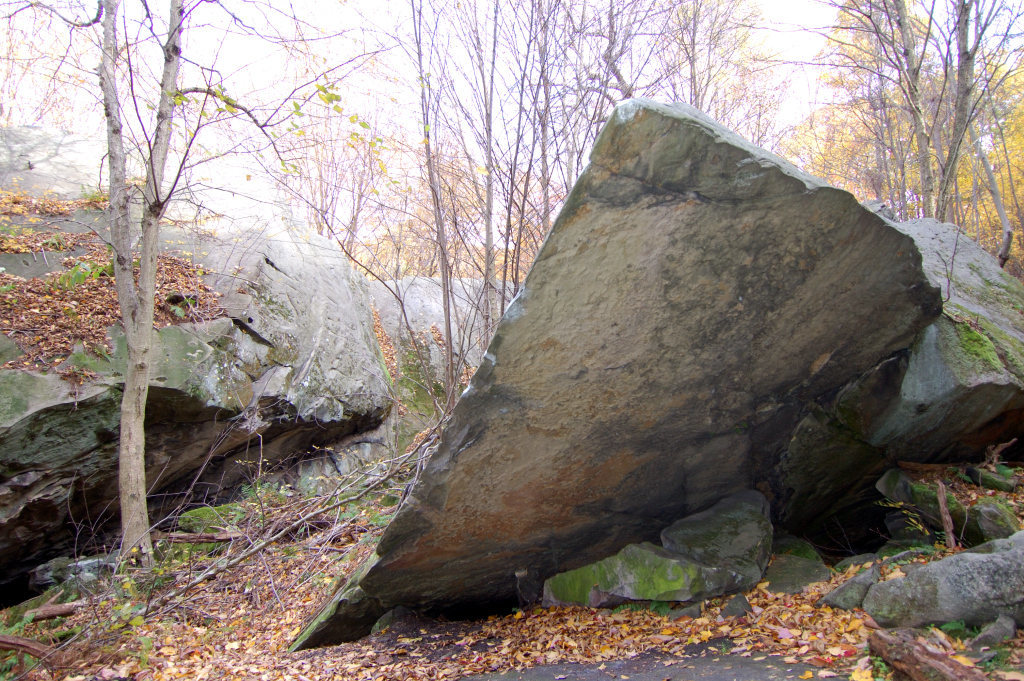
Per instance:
(975,586)
(789,573)
(717,551)
(989,519)
(639,572)
(734,534)
(8,349)
(850,594)
(994,633)
(81,573)
(990,480)
(787,544)
(693,610)
(737,606)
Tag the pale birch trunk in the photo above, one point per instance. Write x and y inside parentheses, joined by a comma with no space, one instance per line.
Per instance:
(136,298)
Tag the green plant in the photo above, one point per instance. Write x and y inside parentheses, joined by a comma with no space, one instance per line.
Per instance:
(183,306)
(94,195)
(81,272)
(880,669)
(57,242)
(958,630)
(9,661)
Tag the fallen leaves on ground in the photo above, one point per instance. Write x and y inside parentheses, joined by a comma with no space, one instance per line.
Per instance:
(23,203)
(240,624)
(48,317)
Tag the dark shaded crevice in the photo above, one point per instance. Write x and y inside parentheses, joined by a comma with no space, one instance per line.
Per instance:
(251,332)
(271,263)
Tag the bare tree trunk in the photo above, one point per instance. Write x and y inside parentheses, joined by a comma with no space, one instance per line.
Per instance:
(963,106)
(434,182)
(997,198)
(489,283)
(912,64)
(136,299)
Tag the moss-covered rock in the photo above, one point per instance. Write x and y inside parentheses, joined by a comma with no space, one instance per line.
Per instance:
(204,519)
(639,572)
(734,535)
(990,519)
(787,544)
(989,480)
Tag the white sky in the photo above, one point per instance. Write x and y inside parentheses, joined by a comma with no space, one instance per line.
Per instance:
(794,29)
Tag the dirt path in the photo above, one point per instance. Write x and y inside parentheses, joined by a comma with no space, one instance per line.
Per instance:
(705,662)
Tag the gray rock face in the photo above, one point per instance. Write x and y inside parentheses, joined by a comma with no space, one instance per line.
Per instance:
(295,364)
(975,586)
(423,311)
(734,535)
(411,313)
(958,387)
(850,594)
(40,161)
(965,370)
(694,298)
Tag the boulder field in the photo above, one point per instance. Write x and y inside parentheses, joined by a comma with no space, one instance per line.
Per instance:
(703,319)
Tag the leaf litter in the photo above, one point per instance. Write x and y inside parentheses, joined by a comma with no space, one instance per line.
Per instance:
(240,625)
(49,317)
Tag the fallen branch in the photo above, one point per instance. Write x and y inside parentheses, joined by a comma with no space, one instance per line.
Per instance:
(947,521)
(26,646)
(219,567)
(993,453)
(903,651)
(51,610)
(196,537)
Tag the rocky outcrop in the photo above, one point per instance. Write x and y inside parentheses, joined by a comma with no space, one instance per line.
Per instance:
(695,300)
(411,314)
(294,363)
(956,389)
(975,587)
(413,305)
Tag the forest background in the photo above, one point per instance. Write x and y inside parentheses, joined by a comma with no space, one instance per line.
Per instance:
(367,115)
(440,138)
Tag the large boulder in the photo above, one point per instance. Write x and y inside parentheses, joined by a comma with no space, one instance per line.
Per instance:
(695,299)
(975,587)
(961,386)
(294,363)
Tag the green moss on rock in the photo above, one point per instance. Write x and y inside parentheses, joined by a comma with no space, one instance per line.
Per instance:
(978,346)
(211,518)
(639,572)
